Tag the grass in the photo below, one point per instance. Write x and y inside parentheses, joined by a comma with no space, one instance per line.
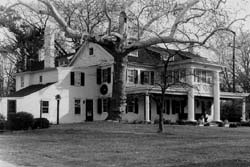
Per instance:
(105,144)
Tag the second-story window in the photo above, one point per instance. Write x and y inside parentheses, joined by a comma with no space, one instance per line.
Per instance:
(202,76)
(22,81)
(103,75)
(77,78)
(132,76)
(147,77)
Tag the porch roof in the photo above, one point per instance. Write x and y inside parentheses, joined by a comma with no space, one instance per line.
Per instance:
(223,95)
(29,90)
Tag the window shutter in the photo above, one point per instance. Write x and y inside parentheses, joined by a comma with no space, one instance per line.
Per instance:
(82,79)
(142,77)
(136,106)
(99,76)
(72,78)
(152,78)
(109,75)
(99,106)
(136,76)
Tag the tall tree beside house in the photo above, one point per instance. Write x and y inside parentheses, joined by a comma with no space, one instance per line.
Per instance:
(129,26)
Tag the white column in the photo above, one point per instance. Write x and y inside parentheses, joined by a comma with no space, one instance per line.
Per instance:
(243,117)
(147,116)
(216,92)
(190,80)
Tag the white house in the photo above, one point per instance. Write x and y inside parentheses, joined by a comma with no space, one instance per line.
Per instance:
(85,87)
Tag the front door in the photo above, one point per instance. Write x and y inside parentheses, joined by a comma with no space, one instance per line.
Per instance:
(11,107)
(89,110)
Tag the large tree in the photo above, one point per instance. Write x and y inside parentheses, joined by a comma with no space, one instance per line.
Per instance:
(129,26)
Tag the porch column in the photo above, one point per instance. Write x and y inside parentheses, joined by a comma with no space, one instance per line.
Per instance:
(147,116)
(243,117)
(216,92)
(190,80)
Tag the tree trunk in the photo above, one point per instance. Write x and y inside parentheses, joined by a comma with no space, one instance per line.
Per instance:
(160,130)
(118,102)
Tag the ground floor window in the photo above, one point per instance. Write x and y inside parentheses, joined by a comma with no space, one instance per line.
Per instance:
(77,106)
(45,106)
(103,105)
(132,105)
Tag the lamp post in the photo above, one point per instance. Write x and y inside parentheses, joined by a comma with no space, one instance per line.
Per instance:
(58,98)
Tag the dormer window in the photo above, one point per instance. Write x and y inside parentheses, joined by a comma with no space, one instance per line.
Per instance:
(91,51)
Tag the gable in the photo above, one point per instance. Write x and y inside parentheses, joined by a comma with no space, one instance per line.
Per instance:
(91,54)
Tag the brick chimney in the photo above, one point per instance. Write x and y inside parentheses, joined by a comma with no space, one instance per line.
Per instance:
(49,45)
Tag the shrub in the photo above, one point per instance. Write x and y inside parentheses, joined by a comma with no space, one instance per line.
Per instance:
(185,122)
(233,125)
(20,121)
(40,123)
(245,123)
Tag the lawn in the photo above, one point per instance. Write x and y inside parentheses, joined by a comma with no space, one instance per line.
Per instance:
(105,144)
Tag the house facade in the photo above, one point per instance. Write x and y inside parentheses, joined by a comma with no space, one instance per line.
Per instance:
(84,86)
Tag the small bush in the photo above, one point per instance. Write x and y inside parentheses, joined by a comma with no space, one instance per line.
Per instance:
(185,122)
(20,121)
(40,123)
(245,123)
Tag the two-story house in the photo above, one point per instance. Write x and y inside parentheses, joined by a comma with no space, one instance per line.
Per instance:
(84,85)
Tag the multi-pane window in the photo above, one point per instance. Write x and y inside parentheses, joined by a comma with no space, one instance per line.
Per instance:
(202,76)
(132,105)
(176,76)
(22,81)
(103,105)
(77,106)
(77,78)
(45,106)
(147,77)
(132,76)
(103,75)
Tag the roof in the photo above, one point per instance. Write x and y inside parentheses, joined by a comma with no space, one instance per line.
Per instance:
(29,90)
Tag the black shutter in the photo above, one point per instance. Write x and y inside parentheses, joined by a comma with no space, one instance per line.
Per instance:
(136,106)
(136,76)
(142,77)
(82,79)
(99,106)
(72,78)
(109,75)
(99,76)
(152,78)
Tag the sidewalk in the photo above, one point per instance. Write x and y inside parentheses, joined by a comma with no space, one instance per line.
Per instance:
(6,164)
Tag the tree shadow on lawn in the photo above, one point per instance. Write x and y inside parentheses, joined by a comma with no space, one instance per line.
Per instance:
(220,163)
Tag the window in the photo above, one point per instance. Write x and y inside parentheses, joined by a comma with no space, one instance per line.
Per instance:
(132,105)
(103,75)
(91,51)
(147,77)
(202,76)
(77,106)
(45,106)
(40,79)
(103,105)
(22,81)
(77,78)
(132,76)
(176,107)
